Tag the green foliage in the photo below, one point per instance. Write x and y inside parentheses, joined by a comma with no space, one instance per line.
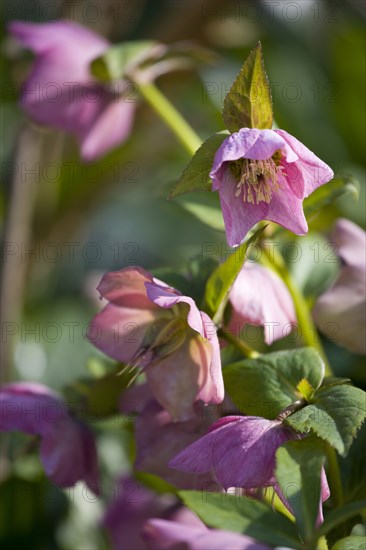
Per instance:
(118,60)
(341,514)
(248,103)
(243,515)
(335,414)
(223,277)
(98,397)
(327,194)
(266,385)
(195,176)
(298,469)
(350,543)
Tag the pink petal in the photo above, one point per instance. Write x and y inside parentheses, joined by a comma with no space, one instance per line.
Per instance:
(110,129)
(286,210)
(242,453)
(126,288)
(247,143)
(239,216)
(308,172)
(119,331)
(213,390)
(350,240)
(67,449)
(176,380)
(167,297)
(260,297)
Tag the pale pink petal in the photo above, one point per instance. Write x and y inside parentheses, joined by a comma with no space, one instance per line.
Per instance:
(239,216)
(126,288)
(166,297)
(260,297)
(340,313)
(119,331)
(213,389)
(310,171)
(350,240)
(176,380)
(111,128)
(160,534)
(286,209)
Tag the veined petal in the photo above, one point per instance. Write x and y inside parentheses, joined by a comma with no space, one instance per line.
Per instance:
(212,390)
(350,240)
(126,288)
(119,331)
(308,172)
(286,209)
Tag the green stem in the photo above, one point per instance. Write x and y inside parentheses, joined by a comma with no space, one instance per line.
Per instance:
(172,118)
(308,331)
(241,346)
(334,477)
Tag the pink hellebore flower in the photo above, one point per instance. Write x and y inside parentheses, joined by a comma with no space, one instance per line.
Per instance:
(259,297)
(241,452)
(67,450)
(160,534)
(152,327)
(61,92)
(131,506)
(340,313)
(265,175)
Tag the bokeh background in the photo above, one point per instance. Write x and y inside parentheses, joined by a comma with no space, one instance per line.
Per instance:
(65,222)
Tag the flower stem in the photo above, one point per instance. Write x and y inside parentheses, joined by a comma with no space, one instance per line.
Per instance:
(172,118)
(241,346)
(274,260)
(334,477)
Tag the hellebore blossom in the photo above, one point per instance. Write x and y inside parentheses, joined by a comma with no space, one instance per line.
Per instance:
(241,452)
(158,439)
(67,449)
(155,329)
(131,506)
(340,313)
(259,297)
(265,175)
(61,92)
(160,534)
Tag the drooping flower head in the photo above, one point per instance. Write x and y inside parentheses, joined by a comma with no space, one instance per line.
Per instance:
(340,312)
(67,449)
(241,452)
(61,92)
(265,175)
(194,535)
(259,297)
(152,327)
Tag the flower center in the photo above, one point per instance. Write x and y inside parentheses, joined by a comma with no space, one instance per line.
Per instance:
(257,179)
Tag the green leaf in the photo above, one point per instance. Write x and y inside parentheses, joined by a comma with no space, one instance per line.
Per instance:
(119,59)
(340,515)
(327,194)
(248,103)
(195,176)
(268,384)
(222,279)
(242,515)
(350,543)
(298,469)
(97,398)
(335,415)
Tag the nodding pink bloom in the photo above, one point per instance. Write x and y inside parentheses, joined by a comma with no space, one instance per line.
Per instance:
(161,534)
(259,297)
(265,175)
(131,506)
(61,92)
(340,313)
(240,450)
(153,328)
(67,449)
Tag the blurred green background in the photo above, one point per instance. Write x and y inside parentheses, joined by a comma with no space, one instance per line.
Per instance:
(76,223)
